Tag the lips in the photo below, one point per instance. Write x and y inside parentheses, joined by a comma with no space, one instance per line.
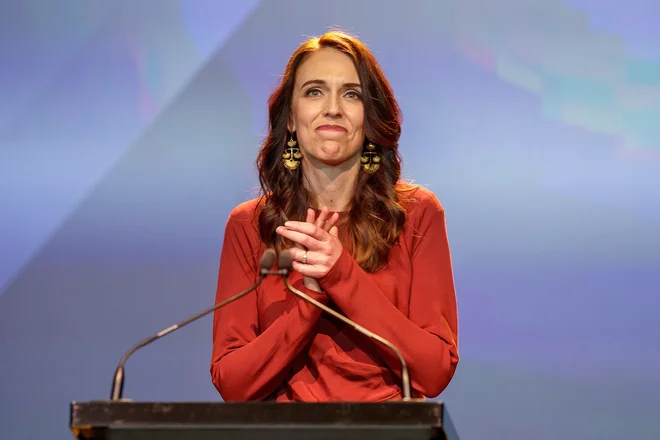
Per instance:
(330,128)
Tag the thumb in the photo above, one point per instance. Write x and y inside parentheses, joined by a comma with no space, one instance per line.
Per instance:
(334,231)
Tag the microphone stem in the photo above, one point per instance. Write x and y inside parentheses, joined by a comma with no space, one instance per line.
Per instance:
(405,377)
(118,382)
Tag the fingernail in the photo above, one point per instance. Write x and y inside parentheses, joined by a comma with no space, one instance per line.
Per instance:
(287,224)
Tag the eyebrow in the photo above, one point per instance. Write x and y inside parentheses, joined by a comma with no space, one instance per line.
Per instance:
(323,83)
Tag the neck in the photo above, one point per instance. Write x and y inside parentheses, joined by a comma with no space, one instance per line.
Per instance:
(331,186)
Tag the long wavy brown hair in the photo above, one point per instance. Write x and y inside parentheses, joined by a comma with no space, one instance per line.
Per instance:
(376,216)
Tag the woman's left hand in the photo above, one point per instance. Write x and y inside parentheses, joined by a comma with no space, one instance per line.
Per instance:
(323,247)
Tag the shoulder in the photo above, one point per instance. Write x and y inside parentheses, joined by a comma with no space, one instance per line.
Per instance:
(425,219)
(245,215)
(242,247)
(245,211)
(418,201)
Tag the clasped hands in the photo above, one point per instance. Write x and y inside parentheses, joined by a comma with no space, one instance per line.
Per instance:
(317,246)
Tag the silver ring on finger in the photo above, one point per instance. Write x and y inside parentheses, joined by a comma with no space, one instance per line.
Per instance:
(304,258)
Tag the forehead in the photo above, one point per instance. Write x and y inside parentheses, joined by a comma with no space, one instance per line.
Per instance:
(329,65)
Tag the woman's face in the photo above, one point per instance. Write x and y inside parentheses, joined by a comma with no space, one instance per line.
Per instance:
(327,109)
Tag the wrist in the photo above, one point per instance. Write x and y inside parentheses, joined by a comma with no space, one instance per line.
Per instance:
(312,284)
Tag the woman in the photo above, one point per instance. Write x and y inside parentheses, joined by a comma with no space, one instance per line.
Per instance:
(363,242)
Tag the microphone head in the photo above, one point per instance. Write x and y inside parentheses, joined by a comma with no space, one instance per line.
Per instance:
(267,260)
(286,260)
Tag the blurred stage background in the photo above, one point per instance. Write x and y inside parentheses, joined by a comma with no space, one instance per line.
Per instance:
(128,131)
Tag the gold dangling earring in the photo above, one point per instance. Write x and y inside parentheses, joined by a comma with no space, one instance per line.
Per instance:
(292,155)
(370,159)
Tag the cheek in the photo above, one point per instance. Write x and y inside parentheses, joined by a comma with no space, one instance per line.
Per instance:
(361,124)
(304,119)
(358,126)
(357,117)
(299,116)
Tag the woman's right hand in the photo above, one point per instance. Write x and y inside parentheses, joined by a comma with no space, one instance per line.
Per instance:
(326,222)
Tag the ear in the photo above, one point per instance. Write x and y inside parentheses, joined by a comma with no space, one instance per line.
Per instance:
(290,126)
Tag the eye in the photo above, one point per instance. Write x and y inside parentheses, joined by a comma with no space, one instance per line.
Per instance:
(313,92)
(352,94)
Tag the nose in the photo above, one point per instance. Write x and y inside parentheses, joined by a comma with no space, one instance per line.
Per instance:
(332,106)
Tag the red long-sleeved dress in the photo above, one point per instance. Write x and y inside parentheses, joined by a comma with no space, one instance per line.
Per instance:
(271,345)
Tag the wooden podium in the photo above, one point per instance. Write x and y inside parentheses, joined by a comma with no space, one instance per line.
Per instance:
(125,420)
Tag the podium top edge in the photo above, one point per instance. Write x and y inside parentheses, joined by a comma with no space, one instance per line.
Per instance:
(438,403)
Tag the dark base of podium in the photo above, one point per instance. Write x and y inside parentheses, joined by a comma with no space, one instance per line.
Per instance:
(265,433)
(109,420)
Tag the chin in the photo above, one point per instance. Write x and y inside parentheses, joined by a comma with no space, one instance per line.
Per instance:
(333,155)
(331,159)
(344,162)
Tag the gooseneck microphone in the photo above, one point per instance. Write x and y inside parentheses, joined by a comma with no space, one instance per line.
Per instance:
(286,261)
(267,260)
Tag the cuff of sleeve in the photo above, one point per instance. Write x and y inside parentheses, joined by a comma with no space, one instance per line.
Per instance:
(319,296)
(341,270)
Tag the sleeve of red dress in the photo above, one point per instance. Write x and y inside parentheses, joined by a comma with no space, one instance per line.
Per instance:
(428,337)
(248,364)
